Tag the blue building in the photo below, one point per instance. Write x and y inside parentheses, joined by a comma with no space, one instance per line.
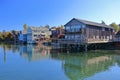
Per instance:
(23,36)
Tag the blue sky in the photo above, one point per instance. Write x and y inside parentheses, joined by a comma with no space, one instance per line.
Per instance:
(14,13)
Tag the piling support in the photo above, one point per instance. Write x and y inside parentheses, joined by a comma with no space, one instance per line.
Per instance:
(86,47)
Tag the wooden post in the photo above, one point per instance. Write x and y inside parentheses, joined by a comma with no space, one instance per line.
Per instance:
(86,47)
(4,52)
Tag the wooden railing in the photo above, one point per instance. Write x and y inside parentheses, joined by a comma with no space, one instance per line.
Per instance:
(72,41)
(99,40)
(83,41)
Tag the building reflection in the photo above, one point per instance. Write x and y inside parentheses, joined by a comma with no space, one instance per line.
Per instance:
(81,66)
(29,52)
(76,66)
(10,47)
(7,48)
(33,52)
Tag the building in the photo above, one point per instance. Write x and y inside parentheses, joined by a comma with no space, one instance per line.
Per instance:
(78,31)
(117,37)
(57,33)
(117,40)
(35,34)
(23,36)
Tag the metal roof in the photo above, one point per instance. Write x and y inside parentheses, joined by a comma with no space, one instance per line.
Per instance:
(92,23)
(39,28)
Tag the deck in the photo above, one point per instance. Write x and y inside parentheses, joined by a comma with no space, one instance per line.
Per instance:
(82,42)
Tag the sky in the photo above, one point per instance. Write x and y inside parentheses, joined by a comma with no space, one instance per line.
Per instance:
(15,13)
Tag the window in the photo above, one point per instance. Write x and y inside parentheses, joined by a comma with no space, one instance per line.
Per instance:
(93,37)
(68,28)
(113,30)
(42,32)
(72,36)
(72,28)
(110,36)
(97,37)
(83,26)
(78,28)
(107,37)
(103,29)
(66,37)
(35,35)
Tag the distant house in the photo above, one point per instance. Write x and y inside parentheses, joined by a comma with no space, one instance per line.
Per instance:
(34,34)
(117,40)
(83,31)
(23,36)
(57,33)
(117,37)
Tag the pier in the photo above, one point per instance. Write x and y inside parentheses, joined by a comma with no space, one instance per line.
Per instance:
(85,44)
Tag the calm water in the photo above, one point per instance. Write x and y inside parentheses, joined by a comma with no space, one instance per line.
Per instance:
(44,63)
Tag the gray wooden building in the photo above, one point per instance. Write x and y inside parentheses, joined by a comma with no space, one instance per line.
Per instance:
(78,31)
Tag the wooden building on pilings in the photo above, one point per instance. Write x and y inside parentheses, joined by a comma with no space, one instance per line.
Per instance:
(83,32)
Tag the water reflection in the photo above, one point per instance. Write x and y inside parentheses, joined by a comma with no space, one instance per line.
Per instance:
(29,52)
(75,66)
(33,52)
(4,53)
(84,65)
(8,48)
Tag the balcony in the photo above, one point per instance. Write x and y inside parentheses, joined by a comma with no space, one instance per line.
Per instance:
(80,31)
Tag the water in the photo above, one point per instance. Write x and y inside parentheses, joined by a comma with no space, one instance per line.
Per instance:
(18,62)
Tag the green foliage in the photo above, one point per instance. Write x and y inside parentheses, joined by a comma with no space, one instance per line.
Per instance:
(6,36)
(102,22)
(1,36)
(115,26)
(61,26)
(14,32)
(25,26)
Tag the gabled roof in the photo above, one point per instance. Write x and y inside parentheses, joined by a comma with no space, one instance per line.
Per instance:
(39,28)
(91,23)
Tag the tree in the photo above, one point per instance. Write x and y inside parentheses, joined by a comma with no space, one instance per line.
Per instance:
(119,27)
(25,26)
(13,32)
(6,36)
(115,26)
(47,26)
(62,26)
(102,22)
(1,36)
